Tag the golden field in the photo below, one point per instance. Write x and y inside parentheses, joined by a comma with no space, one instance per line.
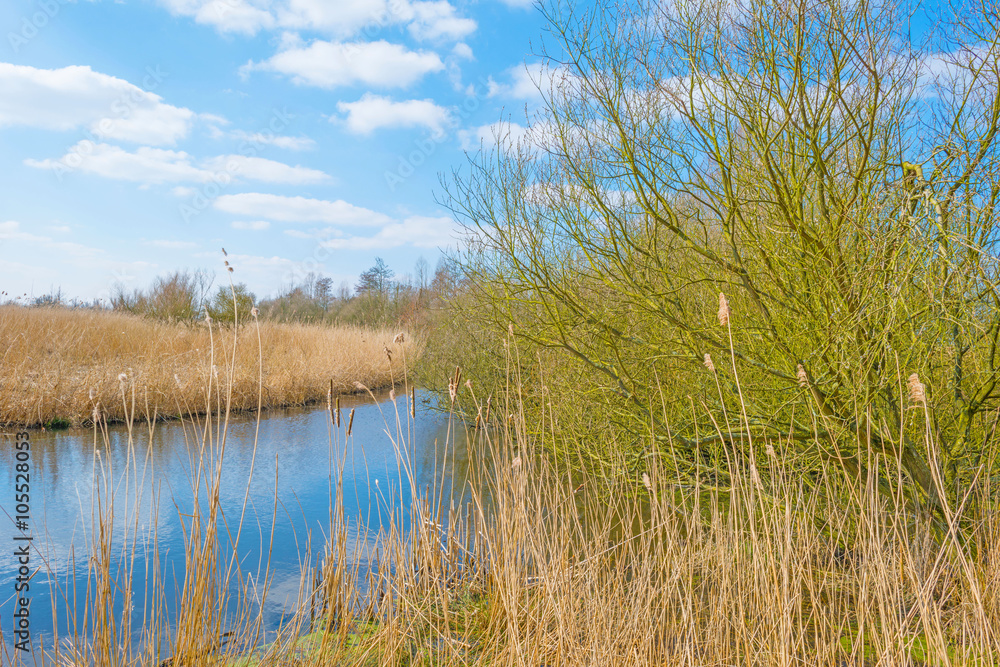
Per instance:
(59,364)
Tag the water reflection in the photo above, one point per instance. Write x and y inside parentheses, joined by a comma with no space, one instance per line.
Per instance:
(283,490)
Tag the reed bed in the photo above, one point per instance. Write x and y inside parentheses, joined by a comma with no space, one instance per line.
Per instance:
(58,364)
(534,564)
(541,567)
(530,565)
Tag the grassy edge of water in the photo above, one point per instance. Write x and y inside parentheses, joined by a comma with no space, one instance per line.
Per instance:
(564,569)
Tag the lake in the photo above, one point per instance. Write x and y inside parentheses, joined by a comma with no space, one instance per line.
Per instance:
(284,489)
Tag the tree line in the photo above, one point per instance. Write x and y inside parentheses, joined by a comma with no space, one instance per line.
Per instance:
(378,298)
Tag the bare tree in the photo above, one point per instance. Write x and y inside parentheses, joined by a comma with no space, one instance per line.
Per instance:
(836,184)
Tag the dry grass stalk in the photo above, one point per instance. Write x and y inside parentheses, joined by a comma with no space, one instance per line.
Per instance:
(535,567)
(724,310)
(916,388)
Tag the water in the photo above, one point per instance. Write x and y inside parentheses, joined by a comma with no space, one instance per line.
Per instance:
(287,489)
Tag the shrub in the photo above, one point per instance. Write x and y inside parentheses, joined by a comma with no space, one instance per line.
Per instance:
(836,185)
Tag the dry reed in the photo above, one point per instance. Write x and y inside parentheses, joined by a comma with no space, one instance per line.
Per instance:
(530,565)
(61,364)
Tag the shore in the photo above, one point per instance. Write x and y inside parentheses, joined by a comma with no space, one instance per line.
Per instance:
(63,367)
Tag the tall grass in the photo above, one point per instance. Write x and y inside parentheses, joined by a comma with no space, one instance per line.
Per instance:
(543,567)
(533,565)
(59,363)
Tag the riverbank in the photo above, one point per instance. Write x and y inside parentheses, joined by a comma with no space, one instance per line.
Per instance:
(530,564)
(60,365)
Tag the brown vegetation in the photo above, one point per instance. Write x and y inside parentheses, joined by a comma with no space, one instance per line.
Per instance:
(59,363)
(535,567)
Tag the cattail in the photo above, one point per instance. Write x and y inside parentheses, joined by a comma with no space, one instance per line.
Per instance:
(413,402)
(800,373)
(177,379)
(400,338)
(468,385)
(230,269)
(94,393)
(646,483)
(338,410)
(392,395)
(918,393)
(95,415)
(708,362)
(388,354)
(225,253)
(350,423)
(452,390)
(255,311)
(122,377)
(510,328)
(226,262)
(359,386)
(515,465)
(724,310)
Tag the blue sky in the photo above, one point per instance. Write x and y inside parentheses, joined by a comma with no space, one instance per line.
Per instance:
(141,136)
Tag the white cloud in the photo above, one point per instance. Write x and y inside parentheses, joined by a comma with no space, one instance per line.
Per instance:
(255,225)
(332,64)
(955,75)
(11,231)
(262,169)
(157,165)
(462,50)
(433,19)
(509,136)
(418,231)
(503,133)
(46,263)
(278,141)
(519,4)
(77,97)
(226,16)
(145,165)
(436,20)
(299,209)
(531,82)
(372,112)
(341,18)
